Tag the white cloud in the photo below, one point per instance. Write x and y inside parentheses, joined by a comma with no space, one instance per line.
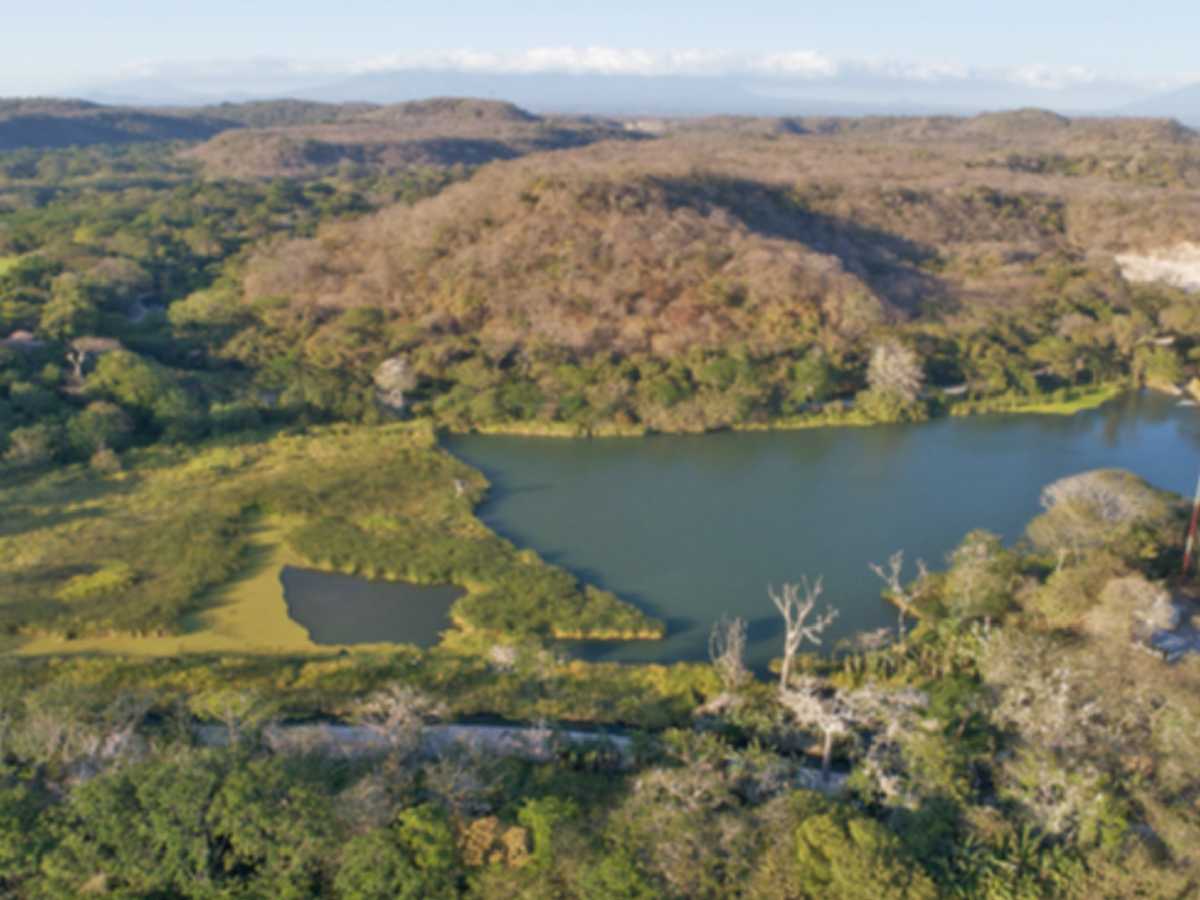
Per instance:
(796,63)
(799,64)
(916,71)
(797,69)
(573,60)
(1053,78)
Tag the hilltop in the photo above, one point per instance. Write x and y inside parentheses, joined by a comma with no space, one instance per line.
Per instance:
(437,132)
(288,137)
(45,124)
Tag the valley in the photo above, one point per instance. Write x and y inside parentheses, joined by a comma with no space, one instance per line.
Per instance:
(351,452)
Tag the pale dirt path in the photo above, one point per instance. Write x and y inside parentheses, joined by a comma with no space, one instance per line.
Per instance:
(527,742)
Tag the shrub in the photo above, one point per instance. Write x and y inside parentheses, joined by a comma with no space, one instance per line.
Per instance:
(111,579)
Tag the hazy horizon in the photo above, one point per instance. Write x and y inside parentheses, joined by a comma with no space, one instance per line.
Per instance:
(765,57)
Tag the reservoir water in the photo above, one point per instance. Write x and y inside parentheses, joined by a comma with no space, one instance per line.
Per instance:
(691,527)
(346,609)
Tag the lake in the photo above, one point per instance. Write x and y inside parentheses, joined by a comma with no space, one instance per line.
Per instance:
(691,527)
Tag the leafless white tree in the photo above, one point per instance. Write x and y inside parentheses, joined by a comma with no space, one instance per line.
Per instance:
(503,657)
(1086,510)
(726,649)
(875,717)
(83,741)
(896,369)
(393,380)
(464,780)
(816,706)
(1102,496)
(1131,607)
(795,610)
(889,718)
(83,349)
(398,714)
(893,578)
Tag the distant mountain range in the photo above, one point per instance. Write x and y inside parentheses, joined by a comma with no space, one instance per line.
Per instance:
(654,95)
(581,94)
(148,109)
(618,95)
(1182,104)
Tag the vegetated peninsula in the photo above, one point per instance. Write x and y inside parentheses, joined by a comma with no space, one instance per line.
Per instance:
(231,335)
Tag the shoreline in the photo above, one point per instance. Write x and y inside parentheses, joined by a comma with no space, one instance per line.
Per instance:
(1067,402)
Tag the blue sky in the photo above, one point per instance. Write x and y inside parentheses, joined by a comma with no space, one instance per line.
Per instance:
(52,45)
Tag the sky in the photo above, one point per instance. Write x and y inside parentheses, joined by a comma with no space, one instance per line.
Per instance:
(1079,50)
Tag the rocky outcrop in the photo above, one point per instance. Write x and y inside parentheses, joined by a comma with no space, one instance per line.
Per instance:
(1178,266)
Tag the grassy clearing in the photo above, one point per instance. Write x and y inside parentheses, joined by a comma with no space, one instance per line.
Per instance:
(1066,402)
(827,418)
(247,615)
(557,429)
(7,263)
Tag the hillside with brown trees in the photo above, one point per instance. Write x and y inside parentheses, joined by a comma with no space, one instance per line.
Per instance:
(717,235)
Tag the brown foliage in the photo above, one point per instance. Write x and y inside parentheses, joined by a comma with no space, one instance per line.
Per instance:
(721,233)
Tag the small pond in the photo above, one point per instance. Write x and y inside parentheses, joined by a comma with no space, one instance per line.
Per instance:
(691,527)
(345,609)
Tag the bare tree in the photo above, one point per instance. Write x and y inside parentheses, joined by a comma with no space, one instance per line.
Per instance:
(1093,509)
(397,714)
(889,719)
(878,719)
(464,780)
(726,649)
(1101,494)
(1131,608)
(795,611)
(895,368)
(394,379)
(816,706)
(893,578)
(84,349)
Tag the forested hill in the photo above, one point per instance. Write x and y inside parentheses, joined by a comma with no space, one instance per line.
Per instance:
(714,236)
(437,132)
(597,274)
(272,138)
(1022,129)
(49,124)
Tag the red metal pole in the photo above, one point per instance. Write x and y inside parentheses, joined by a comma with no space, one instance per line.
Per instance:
(1191,535)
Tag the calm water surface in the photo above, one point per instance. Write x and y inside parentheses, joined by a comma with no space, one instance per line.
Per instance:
(690,527)
(345,609)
